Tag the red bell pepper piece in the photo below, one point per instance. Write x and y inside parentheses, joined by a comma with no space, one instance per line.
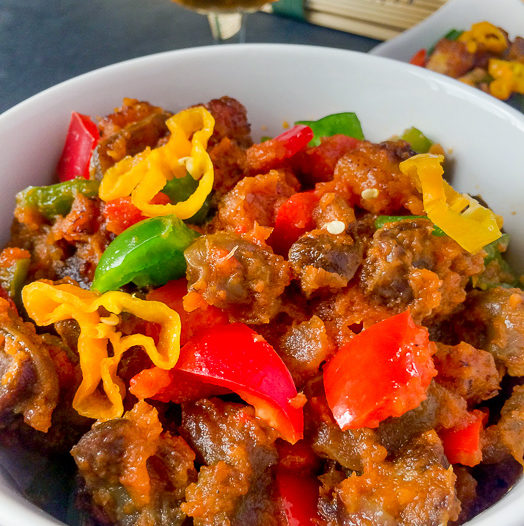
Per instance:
(383,371)
(295,139)
(171,386)
(296,484)
(298,457)
(237,358)
(317,164)
(294,218)
(174,385)
(297,498)
(82,137)
(204,317)
(121,213)
(419,58)
(272,153)
(462,444)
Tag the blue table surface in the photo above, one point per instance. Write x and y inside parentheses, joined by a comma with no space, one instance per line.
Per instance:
(44,42)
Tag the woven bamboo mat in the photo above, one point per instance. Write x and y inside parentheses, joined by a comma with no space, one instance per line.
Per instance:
(380,19)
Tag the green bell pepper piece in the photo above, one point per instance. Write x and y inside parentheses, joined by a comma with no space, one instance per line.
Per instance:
(12,278)
(495,248)
(149,253)
(380,221)
(417,140)
(180,189)
(346,123)
(452,34)
(505,274)
(56,199)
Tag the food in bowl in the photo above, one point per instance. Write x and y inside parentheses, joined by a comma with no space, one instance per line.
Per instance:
(315,329)
(482,56)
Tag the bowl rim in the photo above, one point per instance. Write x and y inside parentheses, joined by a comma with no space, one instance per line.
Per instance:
(24,509)
(236,49)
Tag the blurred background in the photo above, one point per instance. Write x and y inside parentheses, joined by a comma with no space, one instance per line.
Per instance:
(43,42)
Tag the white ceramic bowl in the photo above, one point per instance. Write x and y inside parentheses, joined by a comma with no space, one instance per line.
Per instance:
(280,83)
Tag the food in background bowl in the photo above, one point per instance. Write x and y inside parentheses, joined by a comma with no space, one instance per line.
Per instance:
(482,56)
(258,322)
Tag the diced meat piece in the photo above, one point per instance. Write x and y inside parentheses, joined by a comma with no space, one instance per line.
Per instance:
(328,504)
(353,448)
(231,273)
(29,383)
(131,140)
(292,312)
(466,487)
(442,409)
(66,364)
(266,156)
(234,486)
(348,312)
(332,207)
(220,431)
(229,161)
(131,112)
(255,201)
(230,121)
(224,495)
(493,320)
(80,223)
(214,498)
(132,472)
(471,373)
(493,450)
(317,164)
(81,230)
(451,58)
(407,266)
(510,428)
(277,153)
(451,409)
(516,50)
(369,176)
(324,260)
(304,347)
(133,127)
(69,331)
(477,77)
(70,248)
(45,255)
(415,487)
(53,427)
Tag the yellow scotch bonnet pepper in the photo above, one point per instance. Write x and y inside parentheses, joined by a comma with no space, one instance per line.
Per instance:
(484,35)
(508,77)
(47,303)
(146,174)
(461,217)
